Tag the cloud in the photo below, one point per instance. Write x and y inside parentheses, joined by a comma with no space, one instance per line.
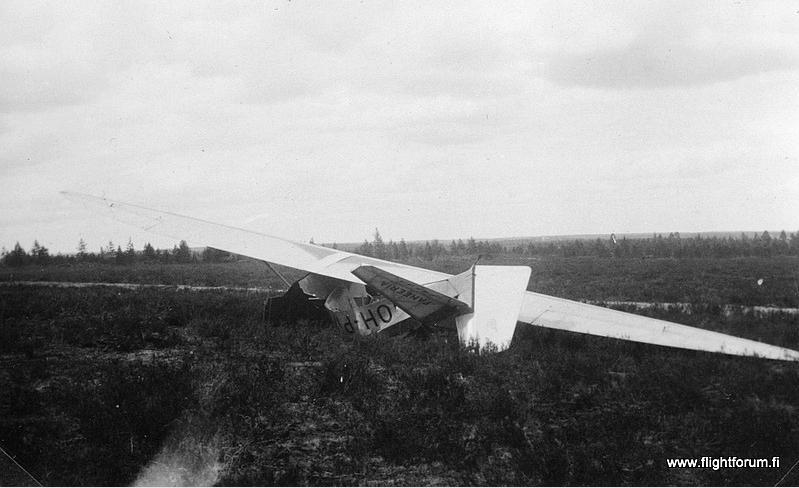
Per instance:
(682,45)
(649,63)
(33,81)
(311,112)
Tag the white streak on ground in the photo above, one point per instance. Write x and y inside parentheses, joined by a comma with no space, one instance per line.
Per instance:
(183,461)
(727,309)
(192,452)
(134,286)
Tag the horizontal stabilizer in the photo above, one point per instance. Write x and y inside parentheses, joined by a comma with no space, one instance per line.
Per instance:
(559,313)
(423,304)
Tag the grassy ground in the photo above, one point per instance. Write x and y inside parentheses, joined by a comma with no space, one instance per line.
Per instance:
(243,273)
(696,280)
(109,386)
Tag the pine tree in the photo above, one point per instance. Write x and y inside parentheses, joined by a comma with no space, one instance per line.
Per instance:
(365,248)
(183,253)
(427,251)
(794,242)
(130,252)
(471,246)
(17,256)
(81,249)
(437,248)
(119,256)
(149,253)
(40,254)
(403,252)
(378,246)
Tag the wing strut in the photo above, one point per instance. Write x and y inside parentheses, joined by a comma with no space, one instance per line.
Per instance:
(283,278)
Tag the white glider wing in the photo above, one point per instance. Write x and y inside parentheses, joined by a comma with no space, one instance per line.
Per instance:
(536,309)
(307,257)
(559,313)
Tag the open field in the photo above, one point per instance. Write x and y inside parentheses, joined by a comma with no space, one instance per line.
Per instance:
(245,273)
(694,280)
(114,386)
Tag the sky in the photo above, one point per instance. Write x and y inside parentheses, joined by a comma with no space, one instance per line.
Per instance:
(427,120)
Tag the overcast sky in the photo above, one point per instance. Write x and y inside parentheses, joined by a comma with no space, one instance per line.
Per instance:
(428,120)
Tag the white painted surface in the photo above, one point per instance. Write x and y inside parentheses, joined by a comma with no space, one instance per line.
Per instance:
(498,294)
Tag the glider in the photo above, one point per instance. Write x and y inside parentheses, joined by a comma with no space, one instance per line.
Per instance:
(365,295)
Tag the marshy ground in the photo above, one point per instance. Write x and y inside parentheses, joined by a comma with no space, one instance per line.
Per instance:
(109,386)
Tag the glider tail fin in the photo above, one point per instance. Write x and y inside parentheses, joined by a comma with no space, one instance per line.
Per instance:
(496,297)
(485,300)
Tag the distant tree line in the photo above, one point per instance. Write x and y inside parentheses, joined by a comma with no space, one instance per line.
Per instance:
(657,246)
(180,253)
(427,250)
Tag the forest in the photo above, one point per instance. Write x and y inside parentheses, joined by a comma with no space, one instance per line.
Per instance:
(672,246)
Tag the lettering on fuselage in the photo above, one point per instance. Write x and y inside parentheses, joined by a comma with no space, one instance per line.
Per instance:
(404,292)
(372,318)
